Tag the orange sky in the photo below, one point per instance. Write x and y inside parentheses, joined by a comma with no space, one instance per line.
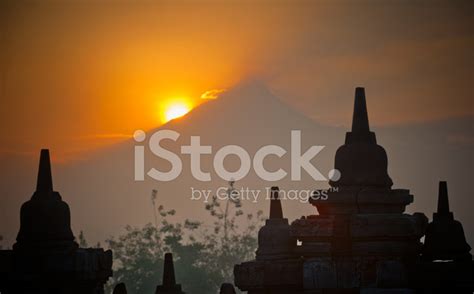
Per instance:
(77,75)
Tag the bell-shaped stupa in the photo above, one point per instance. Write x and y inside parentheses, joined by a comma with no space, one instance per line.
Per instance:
(445,238)
(45,258)
(274,240)
(45,220)
(361,162)
(364,185)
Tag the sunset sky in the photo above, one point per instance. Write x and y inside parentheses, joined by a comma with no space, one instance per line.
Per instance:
(76,75)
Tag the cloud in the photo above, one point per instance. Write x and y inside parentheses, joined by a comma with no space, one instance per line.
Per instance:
(212,94)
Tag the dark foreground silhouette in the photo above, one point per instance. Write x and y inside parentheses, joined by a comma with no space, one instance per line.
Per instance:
(360,242)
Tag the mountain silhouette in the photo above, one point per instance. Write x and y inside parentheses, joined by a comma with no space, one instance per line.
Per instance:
(104,197)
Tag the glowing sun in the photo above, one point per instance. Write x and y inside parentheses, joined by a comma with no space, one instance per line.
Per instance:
(175,110)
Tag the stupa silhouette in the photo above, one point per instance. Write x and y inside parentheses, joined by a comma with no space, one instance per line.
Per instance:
(362,241)
(45,258)
(45,221)
(445,238)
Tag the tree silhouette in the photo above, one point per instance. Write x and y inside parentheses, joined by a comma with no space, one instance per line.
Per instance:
(204,255)
(82,240)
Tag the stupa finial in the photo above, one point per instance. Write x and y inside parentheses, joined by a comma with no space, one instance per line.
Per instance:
(45,180)
(120,289)
(275,204)
(227,288)
(360,118)
(168,271)
(443,201)
(169,285)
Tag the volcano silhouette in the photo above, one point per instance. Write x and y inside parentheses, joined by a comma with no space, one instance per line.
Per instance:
(104,197)
(248,116)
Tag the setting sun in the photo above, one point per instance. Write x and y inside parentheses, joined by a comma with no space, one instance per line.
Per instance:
(176,110)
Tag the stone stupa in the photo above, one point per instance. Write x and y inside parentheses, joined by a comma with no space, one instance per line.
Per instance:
(446,264)
(276,268)
(45,258)
(362,241)
(445,238)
